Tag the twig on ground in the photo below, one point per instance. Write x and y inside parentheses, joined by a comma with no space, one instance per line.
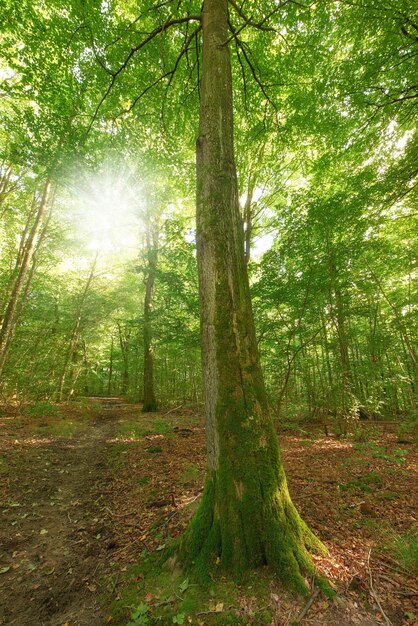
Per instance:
(351,580)
(172,410)
(128,545)
(115,582)
(307,606)
(216,612)
(373,593)
(392,581)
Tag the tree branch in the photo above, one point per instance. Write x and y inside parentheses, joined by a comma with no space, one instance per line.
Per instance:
(260,25)
(157,31)
(169,74)
(253,72)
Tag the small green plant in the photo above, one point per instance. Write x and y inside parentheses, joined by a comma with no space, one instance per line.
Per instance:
(115,451)
(365,483)
(154,449)
(377,452)
(365,434)
(291,427)
(43,409)
(179,618)
(67,428)
(142,480)
(367,446)
(91,406)
(388,495)
(132,430)
(140,616)
(161,426)
(190,474)
(137,429)
(405,549)
(408,430)
(398,456)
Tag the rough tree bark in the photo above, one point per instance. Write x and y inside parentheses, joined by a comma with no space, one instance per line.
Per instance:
(246,517)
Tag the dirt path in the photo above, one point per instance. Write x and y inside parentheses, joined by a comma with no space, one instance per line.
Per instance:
(55,532)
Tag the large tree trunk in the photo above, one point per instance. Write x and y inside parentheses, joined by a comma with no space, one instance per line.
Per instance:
(246,517)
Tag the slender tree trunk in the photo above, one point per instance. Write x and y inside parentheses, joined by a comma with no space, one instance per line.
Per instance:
(331,394)
(401,327)
(75,333)
(246,517)
(109,380)
(248,218)
(8,184)
(150,403)
(124,348)
(9,319)
(23,297)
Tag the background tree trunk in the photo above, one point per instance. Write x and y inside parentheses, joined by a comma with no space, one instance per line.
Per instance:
(23,275)
(150,402)
(75,333)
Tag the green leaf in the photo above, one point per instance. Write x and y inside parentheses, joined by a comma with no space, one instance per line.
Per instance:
(184,585)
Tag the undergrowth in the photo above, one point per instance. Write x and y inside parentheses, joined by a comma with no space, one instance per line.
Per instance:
(43,409)
(156,594)
(67,428)
(404,548)
(365,483)
(135,429)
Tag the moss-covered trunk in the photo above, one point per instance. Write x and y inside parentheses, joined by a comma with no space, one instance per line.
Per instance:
(246,518)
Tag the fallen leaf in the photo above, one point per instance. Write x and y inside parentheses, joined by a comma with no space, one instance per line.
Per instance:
(43,531)
(3,570)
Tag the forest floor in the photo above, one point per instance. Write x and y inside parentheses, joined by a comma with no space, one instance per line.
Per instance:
(89,498)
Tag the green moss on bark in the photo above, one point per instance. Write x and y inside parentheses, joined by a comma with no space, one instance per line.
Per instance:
(246,518)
